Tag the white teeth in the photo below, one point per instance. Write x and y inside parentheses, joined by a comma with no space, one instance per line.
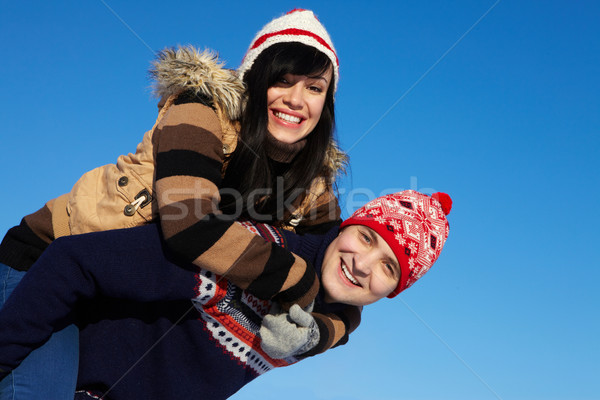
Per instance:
(288,118)
(350,277)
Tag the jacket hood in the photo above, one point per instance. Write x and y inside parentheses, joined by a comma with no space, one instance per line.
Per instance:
(186,68)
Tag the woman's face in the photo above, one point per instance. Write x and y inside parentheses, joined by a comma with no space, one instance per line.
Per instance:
(295,104)
(359,267)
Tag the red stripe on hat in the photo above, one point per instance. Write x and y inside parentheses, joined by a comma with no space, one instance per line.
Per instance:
(301,10)
(296,32)
(295,10)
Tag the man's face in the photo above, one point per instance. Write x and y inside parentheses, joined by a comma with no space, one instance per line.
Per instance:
(359,267)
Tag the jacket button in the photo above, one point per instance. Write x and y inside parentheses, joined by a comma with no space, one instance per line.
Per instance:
(129,210)
(123,181)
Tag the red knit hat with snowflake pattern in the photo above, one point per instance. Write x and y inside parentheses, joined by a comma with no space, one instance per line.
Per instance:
(414,225)
(299,26)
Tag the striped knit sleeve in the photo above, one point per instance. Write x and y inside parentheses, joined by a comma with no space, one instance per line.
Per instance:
(189,158)
(334,328)
(40,222)
(23,244)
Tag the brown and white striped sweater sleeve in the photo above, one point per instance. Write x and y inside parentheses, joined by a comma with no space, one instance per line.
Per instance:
(335,328)
(189,157)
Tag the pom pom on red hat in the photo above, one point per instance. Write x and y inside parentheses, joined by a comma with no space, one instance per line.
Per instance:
(444,200)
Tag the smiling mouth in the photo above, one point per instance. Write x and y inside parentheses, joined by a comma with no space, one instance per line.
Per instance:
(287,118)
(349,276)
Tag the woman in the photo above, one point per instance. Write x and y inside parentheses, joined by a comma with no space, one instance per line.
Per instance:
(210,135)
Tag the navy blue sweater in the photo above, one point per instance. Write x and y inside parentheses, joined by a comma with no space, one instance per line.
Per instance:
(140,336)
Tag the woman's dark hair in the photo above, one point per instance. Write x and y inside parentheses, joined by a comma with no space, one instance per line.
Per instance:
(249,169)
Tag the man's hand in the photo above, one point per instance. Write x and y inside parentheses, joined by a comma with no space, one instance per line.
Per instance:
(289,334)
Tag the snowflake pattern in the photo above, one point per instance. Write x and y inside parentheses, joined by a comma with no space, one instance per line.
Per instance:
(400,239)
(233,318)
(380,220)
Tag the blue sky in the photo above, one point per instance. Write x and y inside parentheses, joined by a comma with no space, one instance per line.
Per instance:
(501,112)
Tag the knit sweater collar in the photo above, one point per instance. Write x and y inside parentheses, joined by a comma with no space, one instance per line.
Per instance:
(311,247)
(283,152)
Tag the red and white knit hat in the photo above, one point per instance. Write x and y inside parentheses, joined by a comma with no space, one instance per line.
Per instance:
(414,225)
(296,26)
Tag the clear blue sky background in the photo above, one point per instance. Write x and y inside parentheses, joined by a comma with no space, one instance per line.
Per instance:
(505,119)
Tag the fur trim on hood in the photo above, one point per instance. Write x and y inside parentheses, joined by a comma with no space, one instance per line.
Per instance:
(186,68)
(336,160)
